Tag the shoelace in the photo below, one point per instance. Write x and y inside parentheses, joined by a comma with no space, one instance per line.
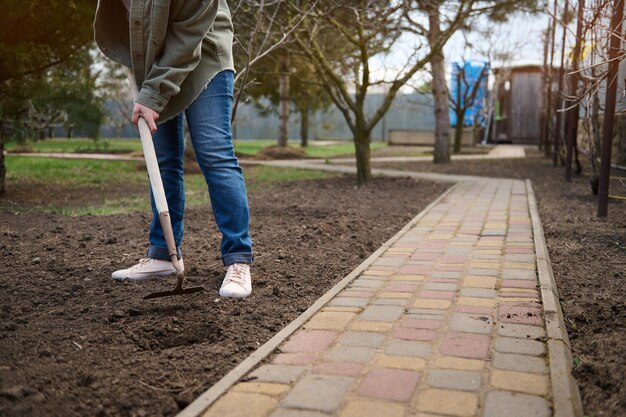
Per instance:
(236,274)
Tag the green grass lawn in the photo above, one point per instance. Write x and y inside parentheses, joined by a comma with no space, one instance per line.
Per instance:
(244,147)
(69,177)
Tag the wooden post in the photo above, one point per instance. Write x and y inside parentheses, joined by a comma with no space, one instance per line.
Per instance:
(573,112)
(560,116)
(609,106)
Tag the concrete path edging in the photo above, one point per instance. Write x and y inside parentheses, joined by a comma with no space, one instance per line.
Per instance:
(565,394)
(204,401)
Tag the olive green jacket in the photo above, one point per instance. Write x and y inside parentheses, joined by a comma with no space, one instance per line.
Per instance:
(174,47)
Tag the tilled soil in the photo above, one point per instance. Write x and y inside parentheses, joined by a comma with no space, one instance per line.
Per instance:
(73,342)
(589,262)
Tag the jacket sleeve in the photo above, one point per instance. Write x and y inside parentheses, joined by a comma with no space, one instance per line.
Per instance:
(182,46)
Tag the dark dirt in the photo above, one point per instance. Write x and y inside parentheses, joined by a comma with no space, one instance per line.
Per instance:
(73,342)
(589,262)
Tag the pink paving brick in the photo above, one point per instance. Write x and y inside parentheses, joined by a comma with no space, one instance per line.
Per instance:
(421,324)
(398,287)
(518,283)
(303,358)
(434,244)
(453,259)
(466,345)
(440,295)
(425,256)
(338,368)
(310,341)
(415,269)
(520,315)
(530,294)
(355,294)
(389,384)
(407,333)
(473,309)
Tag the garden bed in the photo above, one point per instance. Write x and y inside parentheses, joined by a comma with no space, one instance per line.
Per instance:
(75,342)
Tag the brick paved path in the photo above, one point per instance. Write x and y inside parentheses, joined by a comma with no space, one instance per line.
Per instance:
(447,321)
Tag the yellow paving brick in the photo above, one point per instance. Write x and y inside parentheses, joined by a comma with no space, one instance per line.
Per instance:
(520,381)
(366,408)
(266,388)
(395,295)
(241,404)
(405,277)
(477,281)
(451,362)
(476,301)
(519,290)
(495,225)
(432,303)
(488,265)
(487,252)
(455,403)
(520,299)
(371,326)
(343,309)
(462,244)
(402,362)
(329,320)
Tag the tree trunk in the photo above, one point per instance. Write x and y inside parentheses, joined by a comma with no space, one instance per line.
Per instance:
(362,150)
(304,127)
(2,167)
(458,131)
(283,135)
(440,92)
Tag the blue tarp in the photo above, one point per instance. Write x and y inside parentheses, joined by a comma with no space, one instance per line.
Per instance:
(473,71)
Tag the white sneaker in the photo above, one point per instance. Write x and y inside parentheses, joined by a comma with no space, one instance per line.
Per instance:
(237,282)
(146,268)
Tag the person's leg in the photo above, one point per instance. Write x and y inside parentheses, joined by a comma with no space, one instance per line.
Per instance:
(169,147)
(208,119)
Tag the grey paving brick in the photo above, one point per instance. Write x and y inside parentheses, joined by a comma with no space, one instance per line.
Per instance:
(509,404)
(519,239)
(478,292)
(350,354)
(521,331)
(520,363)
(391,261)
(441,286)
(285,374)
(520,346)
(318,392)
(408,348)
(390,301)
(381,313)
(446,274)
(367,283)
(349,302)
(460,380)
(486,257)
(471,323)
(458,249)
(483,272)
(427,311)
(519,274)
(519,257)
(284,412)
(493,232)
(366,339)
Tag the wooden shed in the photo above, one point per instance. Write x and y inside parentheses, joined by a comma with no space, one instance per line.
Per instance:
(519,100)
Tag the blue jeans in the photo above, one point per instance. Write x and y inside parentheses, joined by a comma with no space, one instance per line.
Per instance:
(208,118)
